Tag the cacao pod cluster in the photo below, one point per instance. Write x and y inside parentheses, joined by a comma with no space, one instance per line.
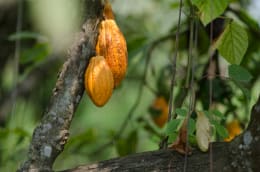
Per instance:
(106,70)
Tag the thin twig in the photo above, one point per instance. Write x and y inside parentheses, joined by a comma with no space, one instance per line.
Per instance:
(17,53)
(189,83)
(171,101)
(164,142)
(210,83)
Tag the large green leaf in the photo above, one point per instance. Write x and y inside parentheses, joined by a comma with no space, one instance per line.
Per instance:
(172,137)
(232,43)
(210,9)
(221,130)
(239,73)
(218,114)
(173,126)
(181,111)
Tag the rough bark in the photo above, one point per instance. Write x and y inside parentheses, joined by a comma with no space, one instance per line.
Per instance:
(52,133)
(240,155)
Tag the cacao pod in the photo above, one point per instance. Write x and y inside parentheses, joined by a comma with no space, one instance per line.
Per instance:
(112,45)
(99,82)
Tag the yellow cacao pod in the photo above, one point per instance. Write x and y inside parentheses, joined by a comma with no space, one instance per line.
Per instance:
(99,82)
(112,45)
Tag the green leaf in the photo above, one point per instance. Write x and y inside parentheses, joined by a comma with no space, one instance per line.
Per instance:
(172,137)
(26,35)
(218,114)
(221,130)
(239,73)
(232,43)
(210,9)
(37,53)
(182,112)
(173,126)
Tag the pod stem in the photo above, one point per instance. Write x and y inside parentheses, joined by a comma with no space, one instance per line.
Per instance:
(108,12)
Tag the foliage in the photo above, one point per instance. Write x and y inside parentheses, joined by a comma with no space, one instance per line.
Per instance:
(125,124)
(239,74)
(210,9)
(233,42)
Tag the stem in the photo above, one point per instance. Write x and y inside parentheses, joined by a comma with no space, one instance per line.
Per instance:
(171,100)
(17,53)
(191,81)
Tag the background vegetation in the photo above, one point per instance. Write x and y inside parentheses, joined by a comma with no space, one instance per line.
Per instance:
(125,124)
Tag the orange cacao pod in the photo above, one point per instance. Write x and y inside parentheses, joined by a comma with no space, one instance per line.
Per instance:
(99,82)
(159,111)
(112,45)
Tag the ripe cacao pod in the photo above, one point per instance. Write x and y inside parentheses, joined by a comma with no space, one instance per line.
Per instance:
(112,45)
(99,82)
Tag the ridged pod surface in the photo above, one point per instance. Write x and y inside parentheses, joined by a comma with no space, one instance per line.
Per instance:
(99,82)
(112,45)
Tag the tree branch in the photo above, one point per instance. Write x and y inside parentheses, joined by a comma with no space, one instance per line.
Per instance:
(240,155)
(52,133)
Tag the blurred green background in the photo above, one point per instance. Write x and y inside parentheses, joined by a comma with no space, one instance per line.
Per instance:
(48,30)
